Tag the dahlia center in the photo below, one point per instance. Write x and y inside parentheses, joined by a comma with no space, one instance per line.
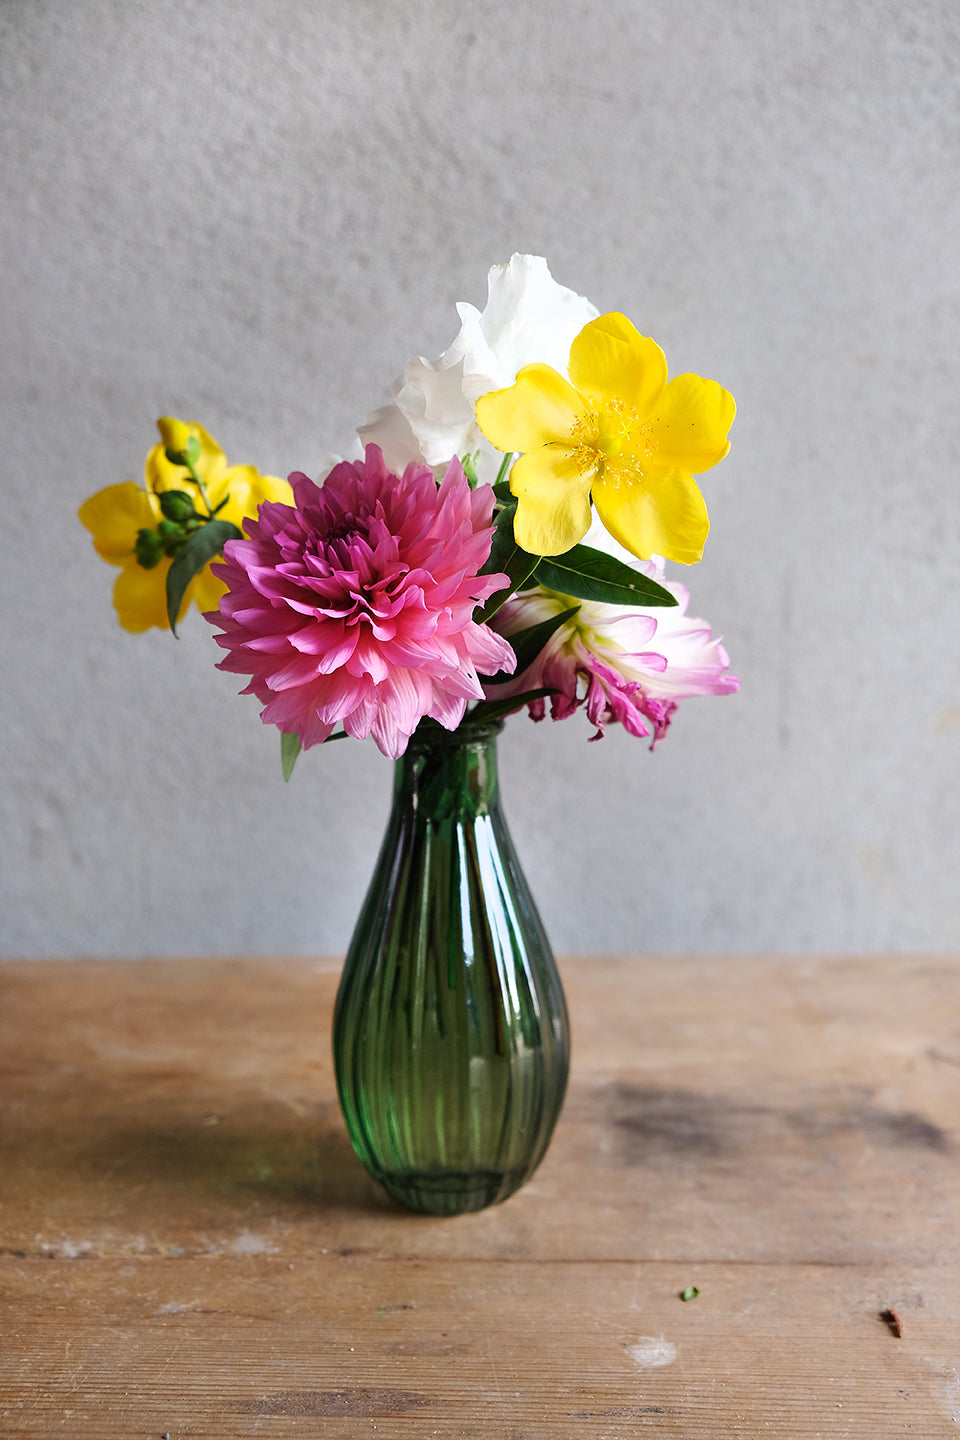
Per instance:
(345,529)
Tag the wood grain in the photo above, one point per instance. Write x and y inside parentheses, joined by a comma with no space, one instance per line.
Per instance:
(188,1246)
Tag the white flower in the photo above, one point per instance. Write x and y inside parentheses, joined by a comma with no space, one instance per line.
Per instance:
(696,661)
(625,664)
(528,318)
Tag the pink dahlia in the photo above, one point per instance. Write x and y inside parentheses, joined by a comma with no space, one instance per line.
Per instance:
(623,664)
(354,606)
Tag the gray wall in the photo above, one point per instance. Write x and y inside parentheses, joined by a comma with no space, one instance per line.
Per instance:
(253,214)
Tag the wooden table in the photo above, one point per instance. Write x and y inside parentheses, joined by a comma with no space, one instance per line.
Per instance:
(189,1248)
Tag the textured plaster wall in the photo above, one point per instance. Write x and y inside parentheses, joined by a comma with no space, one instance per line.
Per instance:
(253,214)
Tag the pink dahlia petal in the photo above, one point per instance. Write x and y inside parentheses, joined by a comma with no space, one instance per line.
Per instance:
(448,710)
(491,652)
(355,604)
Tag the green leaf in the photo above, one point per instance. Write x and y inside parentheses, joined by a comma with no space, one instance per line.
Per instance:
(528,643)
(489,710)
(506,557)
(198,549)
(589,574)
(469,463)
(289,750)
(690,1293)
(502,542)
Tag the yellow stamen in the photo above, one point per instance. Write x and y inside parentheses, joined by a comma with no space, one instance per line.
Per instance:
(645,433)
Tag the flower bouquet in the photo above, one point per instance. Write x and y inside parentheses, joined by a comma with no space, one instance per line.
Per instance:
(430,585)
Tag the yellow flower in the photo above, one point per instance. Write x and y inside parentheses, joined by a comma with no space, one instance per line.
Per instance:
(618,432)
(115,514)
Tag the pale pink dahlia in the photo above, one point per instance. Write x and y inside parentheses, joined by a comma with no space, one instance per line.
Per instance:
(354,605)
(623,664)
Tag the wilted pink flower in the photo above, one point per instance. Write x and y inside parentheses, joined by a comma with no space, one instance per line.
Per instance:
(624,664)
(355,604)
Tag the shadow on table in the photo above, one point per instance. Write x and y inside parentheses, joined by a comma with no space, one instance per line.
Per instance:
(214,1169)
(223,1160)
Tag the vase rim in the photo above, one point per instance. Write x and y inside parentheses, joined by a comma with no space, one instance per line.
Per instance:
(435,737)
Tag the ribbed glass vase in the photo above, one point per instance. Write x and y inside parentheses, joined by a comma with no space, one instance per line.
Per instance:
(451,1038)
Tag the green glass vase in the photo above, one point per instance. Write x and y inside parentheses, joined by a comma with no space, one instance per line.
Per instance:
(450,1034)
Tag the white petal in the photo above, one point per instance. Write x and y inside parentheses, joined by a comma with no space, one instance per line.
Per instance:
(528,317)
(390,429)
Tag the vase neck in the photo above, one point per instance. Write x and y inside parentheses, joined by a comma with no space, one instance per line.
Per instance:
(450,775)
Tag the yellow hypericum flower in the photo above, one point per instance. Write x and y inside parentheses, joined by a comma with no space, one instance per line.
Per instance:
(116,514)
(617,431)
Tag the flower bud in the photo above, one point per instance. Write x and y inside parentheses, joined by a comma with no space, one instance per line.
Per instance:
(148,549)
(174,434)
(176,505)
(171,535)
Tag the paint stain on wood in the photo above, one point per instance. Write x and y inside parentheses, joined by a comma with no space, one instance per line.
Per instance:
(652,1352)
(660,1126)
(619,1412)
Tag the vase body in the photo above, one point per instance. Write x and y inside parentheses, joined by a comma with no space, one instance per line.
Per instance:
(451,1039)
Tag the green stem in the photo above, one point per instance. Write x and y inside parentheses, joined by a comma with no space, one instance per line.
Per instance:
(195,477)
(505,464)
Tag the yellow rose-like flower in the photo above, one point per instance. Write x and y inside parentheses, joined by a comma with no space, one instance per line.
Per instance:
(115,514)
(618,432)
